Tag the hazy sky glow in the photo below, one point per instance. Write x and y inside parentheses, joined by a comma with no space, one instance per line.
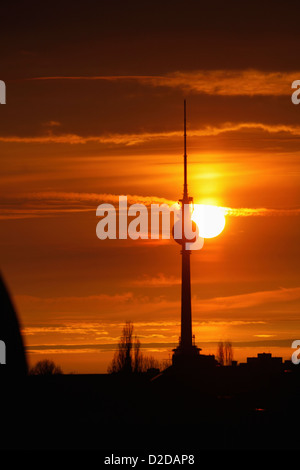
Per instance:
(94,110)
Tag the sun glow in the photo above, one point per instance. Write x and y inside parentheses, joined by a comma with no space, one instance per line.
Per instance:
(209,219)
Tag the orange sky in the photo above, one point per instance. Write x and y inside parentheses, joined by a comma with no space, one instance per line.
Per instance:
(94,110)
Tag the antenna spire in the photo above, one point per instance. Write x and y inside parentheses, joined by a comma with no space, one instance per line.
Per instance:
(185,190)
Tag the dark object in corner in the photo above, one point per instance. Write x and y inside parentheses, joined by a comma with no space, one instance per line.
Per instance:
(15,361)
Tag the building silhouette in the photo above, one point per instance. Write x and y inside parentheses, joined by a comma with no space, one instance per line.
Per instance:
(265,361)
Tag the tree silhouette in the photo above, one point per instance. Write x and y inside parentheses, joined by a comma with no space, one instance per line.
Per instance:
(122,361)
(128,358)
(228,353)
(225,353)
(45,367)
(220,353)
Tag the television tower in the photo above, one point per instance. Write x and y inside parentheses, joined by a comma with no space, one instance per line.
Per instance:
(186,307)
(186,351)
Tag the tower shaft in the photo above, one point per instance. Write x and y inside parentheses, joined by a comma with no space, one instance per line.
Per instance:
(186,308)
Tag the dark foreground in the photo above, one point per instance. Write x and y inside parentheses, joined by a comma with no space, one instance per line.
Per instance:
(229,408)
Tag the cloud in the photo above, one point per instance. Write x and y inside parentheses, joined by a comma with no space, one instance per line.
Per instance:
(123,306)
(264,336)
(52,124)
(96,197)
(157,281)
(215,82)
(47,204)
(244,301)
(130,306)
(51,203)
(261,211)
(105,335)
(131,139)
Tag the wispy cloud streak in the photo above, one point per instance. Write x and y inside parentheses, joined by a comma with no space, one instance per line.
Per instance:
(129,139)
(248,300)
(47,204)
(215,82)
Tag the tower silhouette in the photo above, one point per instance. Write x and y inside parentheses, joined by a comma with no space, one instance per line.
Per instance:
(187,353)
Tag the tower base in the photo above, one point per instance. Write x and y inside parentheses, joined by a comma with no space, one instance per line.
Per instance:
(188,366)
(191,358)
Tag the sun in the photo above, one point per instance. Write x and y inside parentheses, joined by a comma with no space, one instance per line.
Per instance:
(209,219)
